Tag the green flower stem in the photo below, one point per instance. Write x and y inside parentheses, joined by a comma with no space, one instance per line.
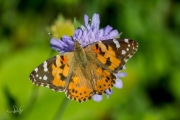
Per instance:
(61,109)
(30,105)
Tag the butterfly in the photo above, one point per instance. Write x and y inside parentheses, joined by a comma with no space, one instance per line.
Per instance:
(87,70)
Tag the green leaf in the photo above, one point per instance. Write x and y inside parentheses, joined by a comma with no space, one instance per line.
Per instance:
(77,24)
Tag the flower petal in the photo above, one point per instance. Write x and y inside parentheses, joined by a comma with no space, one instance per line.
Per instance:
(100,33)
(83,28)
(77,34)
(118,83)
(57,44)
(95,22)
(113,34)
(97,98)
(107,29)
(86,21)
(108,92)
(121,74)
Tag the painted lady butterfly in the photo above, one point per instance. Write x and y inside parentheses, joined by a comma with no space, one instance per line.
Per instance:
(87,70)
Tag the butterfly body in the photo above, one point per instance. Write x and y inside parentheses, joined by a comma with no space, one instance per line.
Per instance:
(80,55)
(87,70)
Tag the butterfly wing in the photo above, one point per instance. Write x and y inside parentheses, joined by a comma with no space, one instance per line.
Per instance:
(106,58)
(112,54)
(80,87)
(85,82)
(53,73)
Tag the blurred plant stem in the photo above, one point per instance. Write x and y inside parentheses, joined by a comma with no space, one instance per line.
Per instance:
(61,109)
(32,100)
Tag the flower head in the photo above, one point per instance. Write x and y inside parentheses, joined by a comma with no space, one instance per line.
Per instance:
(84,35)
(62,27)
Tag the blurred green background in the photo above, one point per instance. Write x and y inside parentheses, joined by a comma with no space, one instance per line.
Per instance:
(151,89)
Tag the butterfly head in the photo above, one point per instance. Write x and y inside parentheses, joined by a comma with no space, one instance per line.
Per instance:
(77,45)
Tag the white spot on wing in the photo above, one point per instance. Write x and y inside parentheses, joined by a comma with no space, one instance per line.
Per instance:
(126,40)
(46,85)
(45,69)
(45,77)
(127,49)
(45,66)
(125,60)
(124,67)
(40,77)
(116,43)
(36,69)
(128,45)
(37,75)
(123,52)
(45,63)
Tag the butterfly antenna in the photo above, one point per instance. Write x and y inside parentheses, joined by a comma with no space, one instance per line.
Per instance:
(54,36)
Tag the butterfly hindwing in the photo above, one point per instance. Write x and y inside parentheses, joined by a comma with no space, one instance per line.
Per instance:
(80,86)
(85,82)
(102,79)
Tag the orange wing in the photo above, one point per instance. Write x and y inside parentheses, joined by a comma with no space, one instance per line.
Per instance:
(112,54)
(53,73)
(84,83)
(104,59)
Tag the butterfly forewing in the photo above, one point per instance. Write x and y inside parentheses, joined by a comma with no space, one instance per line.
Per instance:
(112,54)
(53,73)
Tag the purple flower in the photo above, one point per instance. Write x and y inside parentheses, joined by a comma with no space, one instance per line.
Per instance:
(84,35)
(118,84)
